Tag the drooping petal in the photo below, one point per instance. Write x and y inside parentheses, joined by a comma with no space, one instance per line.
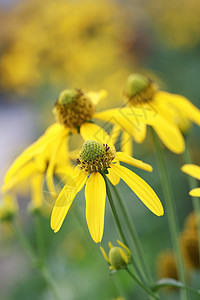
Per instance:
(182,105)
(127,143)
(52,163)
(24,173)
(66,198)
(96,97)
(34,150)
(36,188)
(91,131)
(144,192)
(124,157)
(113,177)
(195,192)
(95,194)
(192,170)
(171,136)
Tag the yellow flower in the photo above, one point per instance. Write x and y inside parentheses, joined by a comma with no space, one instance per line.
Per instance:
(97,160)
(193,171)
(161,110)
(118,257)
(25,169)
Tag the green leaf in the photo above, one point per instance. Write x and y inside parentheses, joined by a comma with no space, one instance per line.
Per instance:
(165,282)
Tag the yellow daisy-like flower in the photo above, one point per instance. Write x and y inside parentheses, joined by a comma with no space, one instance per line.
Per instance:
(163,111)
(95,162)
(194,171)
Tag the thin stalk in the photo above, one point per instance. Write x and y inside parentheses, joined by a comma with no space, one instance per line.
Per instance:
(135,239)
(145,288)
(192,185)
(171,211)
(37,263)
(119,227)
(39,236)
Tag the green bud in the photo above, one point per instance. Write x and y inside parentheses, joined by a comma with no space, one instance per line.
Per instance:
(136,84)
(118,258)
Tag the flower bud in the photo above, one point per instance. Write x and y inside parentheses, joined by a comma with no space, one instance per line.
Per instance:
(8,208)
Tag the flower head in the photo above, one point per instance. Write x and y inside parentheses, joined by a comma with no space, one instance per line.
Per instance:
(190,248)
(118,257)
(166,113)
(97,159)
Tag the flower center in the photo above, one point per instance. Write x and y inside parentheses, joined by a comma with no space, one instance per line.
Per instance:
(95,157)
(139,89)
(73,108)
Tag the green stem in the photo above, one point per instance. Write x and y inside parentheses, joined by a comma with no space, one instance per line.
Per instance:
(114,212)
(171,211)
(39,237)
(37,263)
(117,221)
(145,288)
(192,185)
(135,239)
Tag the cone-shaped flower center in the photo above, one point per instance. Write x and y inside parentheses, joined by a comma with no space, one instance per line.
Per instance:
(95,157)
(139,89)
(73,108)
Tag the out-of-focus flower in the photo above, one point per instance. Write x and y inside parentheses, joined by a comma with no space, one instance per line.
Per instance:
(97,160)
(166,265)
(143,97)
(192,221)
(177,22)
(190,248)
(118,257)
(193,171)
(85,40)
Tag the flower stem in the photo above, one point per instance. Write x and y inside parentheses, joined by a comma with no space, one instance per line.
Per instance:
(193,184)
(37,263)
(39,236)
(145,288)
(132,230)
(171,211)
(119,227)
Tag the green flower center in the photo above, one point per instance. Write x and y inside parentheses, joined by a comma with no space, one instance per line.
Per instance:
(95,157)
(73,108)
(139,89)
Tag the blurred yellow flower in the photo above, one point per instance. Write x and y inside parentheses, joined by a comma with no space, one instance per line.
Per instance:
(62,42)
(8,208)
(161,110)
(97,160)
(194,171)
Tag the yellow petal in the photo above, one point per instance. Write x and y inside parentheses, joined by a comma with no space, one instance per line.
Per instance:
(115,132)
(144,192)
(24,173)
(127,143)
(36,188)
(192,170)
(96,97)
(124,157)
(171,136)
(66,198)
(95,194)
(33,150)
(91,131)
(113,177)
(195,192)
(182,105)
(52,163)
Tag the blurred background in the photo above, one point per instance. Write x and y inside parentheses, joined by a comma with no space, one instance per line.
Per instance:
(47,46)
